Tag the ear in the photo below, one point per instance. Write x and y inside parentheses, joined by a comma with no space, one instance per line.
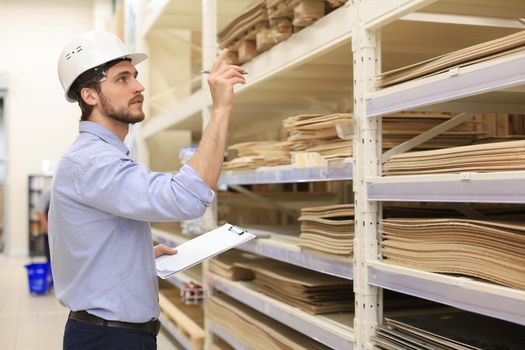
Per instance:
(89,96)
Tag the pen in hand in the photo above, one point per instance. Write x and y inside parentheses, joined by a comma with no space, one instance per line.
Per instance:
(209,72)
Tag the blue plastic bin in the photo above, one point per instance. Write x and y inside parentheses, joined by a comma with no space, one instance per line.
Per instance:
(39,277)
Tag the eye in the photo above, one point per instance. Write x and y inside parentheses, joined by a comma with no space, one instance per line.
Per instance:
(123,78)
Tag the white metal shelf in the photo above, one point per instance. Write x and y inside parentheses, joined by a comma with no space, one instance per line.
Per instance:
(381,12)
(285,249)
(496,187)
(461,292)
(174,332)
(287,174)
(489,76)
(324,329)
(225,335)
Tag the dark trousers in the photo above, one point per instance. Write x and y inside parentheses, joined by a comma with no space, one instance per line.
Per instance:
(84,336)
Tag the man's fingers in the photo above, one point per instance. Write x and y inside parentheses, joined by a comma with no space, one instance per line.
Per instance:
(219,60)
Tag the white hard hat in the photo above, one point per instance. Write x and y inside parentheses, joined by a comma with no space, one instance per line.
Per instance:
(88,51)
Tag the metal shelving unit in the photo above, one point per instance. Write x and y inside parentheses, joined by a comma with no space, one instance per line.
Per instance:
(495,85)
(338,57)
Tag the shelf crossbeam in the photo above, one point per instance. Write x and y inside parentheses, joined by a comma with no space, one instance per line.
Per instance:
(329,333)
(500,187)
(464,293)
(379,13)
(494,75)
(287,175)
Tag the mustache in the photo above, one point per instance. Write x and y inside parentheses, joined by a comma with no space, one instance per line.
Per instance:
(138,98)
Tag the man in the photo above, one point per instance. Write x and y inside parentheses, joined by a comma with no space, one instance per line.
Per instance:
(42,209)
(102,201)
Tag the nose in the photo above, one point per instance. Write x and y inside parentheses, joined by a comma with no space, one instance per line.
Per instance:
(138,88)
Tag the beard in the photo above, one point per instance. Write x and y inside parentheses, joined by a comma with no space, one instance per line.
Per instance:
(122,114)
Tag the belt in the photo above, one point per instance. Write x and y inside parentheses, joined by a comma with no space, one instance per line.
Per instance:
(152,327)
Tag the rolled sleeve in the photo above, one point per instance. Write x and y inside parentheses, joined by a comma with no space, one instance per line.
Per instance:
(201,190)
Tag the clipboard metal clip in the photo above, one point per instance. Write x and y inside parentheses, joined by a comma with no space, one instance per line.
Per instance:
(236,230)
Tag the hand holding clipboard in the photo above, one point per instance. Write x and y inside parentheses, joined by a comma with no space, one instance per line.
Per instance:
(200,248)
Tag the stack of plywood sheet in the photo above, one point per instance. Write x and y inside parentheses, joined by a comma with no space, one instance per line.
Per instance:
(493,251)
(328,229)
(252,155)
(311,291)
(219,344)
(498,156)
(478,53)
(255,330)
(448,330)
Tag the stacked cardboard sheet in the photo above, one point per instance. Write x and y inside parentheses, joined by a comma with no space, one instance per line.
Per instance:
(400,127)
(226,265)
(498,156)
(251,155)
(478,53)
(493,251)
(328,229)
(318,133)
(255,330)
(448,330)
(311,291)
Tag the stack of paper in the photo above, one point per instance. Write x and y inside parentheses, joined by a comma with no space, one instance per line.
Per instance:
(311,291)
(493,251)
(255,330)
(498,156)
(328,229)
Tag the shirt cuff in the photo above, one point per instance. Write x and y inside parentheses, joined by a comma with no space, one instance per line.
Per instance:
(199,187)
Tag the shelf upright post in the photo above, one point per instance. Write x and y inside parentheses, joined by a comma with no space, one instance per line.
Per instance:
(209,52)
(367,155)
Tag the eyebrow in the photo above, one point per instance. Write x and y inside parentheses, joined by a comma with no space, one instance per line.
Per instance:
(126,72)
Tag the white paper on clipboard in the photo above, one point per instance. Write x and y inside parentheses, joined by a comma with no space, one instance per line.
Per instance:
(200,248)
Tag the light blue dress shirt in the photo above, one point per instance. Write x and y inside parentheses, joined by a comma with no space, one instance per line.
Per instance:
(99,225)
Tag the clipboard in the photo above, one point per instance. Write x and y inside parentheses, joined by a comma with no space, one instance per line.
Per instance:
(200,248)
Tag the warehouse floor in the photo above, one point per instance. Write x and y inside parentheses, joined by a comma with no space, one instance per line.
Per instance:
(33,322)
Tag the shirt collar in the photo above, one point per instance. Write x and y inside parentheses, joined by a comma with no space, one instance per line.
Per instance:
(104,134)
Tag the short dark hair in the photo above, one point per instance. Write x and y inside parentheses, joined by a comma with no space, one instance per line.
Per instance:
(90,79)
